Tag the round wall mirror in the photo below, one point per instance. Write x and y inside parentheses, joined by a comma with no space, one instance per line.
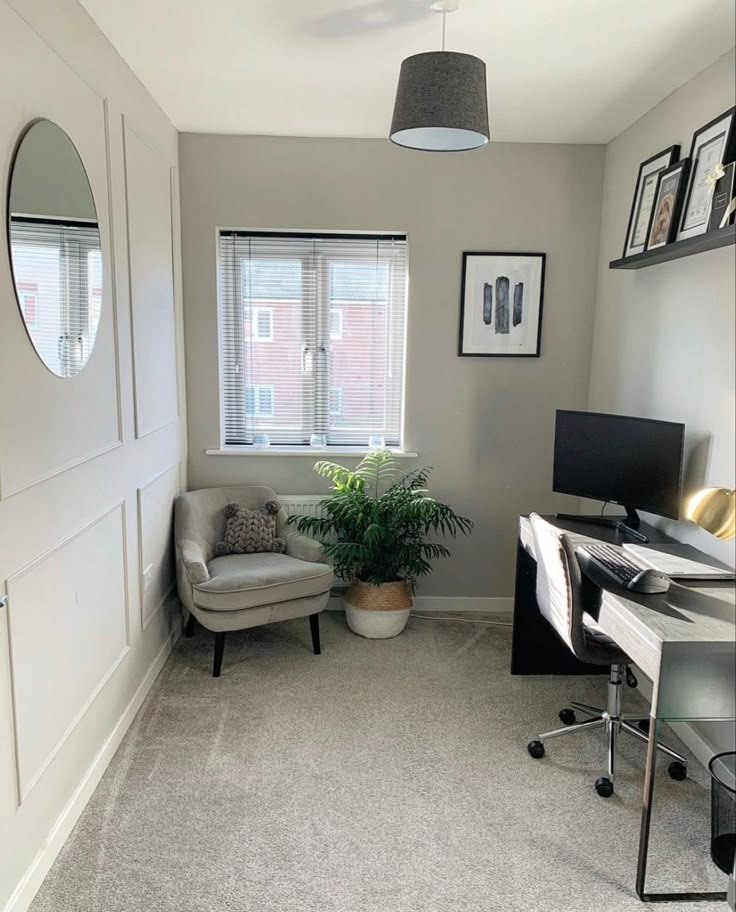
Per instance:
(55,249)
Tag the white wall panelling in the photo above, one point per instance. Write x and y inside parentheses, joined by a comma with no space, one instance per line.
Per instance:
(68,631)
(82,658)
(112,268)
(155,540)
(150,257)
(56,423)
(64,823)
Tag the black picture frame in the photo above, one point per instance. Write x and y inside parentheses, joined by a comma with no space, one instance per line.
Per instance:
(648,168)
(728,120)
(680,170)
(723,195)
(537,330)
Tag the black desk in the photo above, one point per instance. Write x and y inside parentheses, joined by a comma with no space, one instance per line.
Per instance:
(536,648)
(684,641)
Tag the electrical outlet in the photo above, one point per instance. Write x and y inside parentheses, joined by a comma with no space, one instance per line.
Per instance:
(148,578)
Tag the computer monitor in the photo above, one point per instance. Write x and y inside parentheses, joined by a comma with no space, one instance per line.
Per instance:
(634,462)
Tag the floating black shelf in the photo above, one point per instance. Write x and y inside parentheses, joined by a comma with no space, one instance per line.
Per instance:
(711,240)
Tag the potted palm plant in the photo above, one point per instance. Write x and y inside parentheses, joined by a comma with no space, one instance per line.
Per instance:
(374,528)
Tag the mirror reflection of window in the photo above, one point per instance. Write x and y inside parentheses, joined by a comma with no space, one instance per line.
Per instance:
(64,266)
(55,249)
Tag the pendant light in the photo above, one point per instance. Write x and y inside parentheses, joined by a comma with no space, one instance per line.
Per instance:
(441,103)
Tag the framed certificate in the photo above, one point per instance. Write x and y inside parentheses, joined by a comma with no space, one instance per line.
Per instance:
(712,145)
(644,198)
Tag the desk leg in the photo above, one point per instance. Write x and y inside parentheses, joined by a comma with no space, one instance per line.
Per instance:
(646,810)
(646,823)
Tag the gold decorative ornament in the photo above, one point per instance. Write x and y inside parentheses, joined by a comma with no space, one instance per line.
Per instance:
(714,509)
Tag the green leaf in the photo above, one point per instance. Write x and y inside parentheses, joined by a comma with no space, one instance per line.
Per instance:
(376,523)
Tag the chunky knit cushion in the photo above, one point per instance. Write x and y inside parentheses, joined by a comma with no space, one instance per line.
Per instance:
(250,531)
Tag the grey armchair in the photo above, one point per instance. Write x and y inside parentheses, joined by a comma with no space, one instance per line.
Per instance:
(244,590)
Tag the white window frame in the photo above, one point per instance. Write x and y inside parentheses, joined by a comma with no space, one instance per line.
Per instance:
(255,313)
(257,411)
(321,391)
(23,295)
(74,248)
(23,232)
(338,393)
(336,331)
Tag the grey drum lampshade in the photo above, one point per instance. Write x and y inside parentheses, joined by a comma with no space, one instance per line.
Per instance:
(441,103)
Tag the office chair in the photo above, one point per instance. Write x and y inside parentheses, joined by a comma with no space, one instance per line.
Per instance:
(560,598)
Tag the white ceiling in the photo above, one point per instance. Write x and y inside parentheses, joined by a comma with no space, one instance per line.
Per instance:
(558,70)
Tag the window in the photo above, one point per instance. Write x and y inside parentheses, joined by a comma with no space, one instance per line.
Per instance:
(258,400)
(94,285)
(315,377)
(261,323)
(336,402)
(28,295)
(335,323)
(58,273)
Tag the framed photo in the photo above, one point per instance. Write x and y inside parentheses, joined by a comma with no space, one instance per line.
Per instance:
(667,206)
(501,296)
(643,202)
(712,145)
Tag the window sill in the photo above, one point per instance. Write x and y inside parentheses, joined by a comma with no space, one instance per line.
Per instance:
(303,451)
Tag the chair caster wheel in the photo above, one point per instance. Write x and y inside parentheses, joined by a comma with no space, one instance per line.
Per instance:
(677,771)
(536,749)
(604,787)
(567,716)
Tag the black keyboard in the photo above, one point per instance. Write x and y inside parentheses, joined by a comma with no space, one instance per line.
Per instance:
(613,562)
(609,566)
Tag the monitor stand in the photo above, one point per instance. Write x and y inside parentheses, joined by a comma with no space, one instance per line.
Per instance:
(627,525)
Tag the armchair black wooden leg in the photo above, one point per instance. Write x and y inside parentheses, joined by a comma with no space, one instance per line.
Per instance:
(314,627)
(219,648)
(189,626)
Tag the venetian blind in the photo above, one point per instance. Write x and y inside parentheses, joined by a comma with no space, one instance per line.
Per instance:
(311,338)
(57,268)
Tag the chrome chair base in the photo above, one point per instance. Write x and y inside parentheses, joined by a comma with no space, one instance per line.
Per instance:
(613,721)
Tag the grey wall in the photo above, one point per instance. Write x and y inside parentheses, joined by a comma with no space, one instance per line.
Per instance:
(664,336)
(485,424)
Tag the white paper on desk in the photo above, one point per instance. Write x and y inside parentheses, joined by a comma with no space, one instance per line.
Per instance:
(679,561)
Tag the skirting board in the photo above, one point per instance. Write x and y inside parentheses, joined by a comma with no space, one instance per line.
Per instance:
(447,604)
(31,881)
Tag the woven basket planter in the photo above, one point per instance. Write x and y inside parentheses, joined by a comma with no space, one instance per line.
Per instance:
(378,612)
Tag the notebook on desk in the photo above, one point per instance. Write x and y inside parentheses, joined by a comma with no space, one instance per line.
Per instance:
(680,561)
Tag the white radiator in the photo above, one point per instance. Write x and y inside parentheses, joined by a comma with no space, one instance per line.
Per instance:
(308,505)
(301,504)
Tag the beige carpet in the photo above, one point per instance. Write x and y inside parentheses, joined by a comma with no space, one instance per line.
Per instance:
(382,776)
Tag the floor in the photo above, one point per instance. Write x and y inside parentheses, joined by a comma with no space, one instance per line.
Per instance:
(382,776)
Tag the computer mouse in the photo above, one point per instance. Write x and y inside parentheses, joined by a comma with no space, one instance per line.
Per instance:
(649,582)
